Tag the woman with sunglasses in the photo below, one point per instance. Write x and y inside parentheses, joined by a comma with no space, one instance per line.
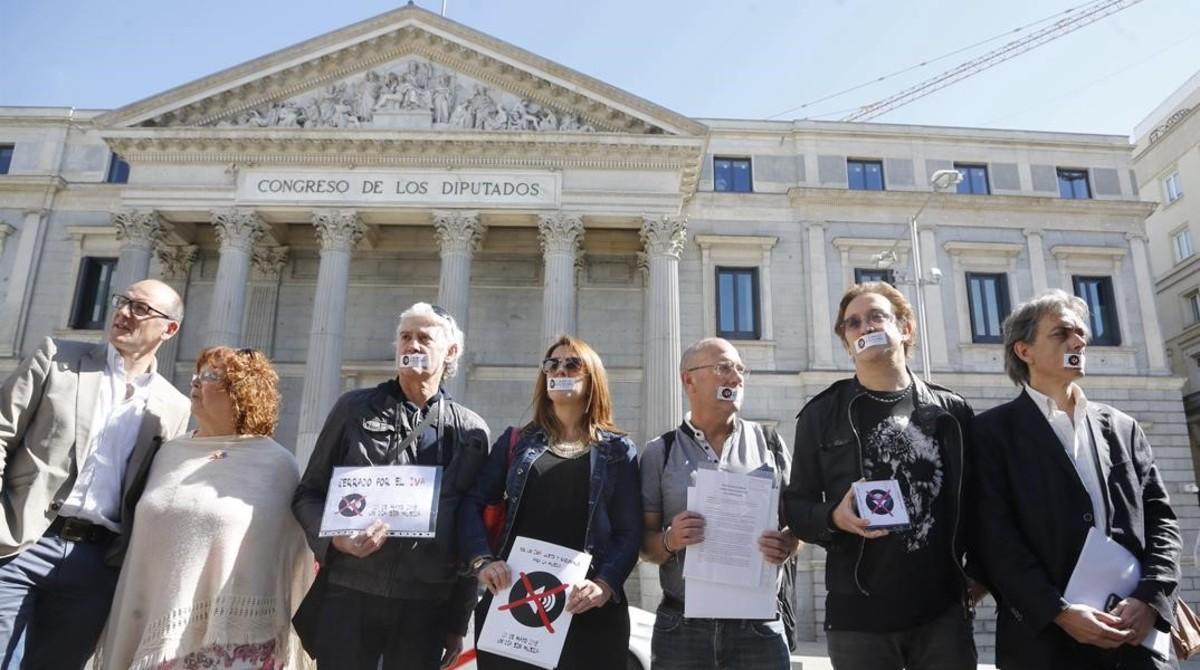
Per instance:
(572,480)
(216,561)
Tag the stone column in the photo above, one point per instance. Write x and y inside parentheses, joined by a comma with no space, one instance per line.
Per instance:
(561,235)
(459,234)
(818,293)
(138,231)
(1155,352)
(1037,260)
(262,302)
(238,230)
(934,341)
(174,268)
(663,238)
(19,296)
(339,231)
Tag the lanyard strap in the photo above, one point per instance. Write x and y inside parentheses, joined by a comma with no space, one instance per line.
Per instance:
(407,444)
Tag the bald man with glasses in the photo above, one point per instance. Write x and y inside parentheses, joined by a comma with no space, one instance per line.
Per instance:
(79,425)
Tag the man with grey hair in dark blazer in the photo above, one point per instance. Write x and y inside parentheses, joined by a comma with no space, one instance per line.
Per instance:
(1054,466)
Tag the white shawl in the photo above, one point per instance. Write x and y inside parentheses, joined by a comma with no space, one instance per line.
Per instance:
(216,564)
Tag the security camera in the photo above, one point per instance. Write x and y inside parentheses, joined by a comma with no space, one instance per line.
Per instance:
(935,275)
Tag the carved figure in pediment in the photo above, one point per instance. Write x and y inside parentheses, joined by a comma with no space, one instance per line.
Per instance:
(368,95)
(495,119)
(460,117)
(288,116)
(548,120)
(520,116)
(312,113)
(481,105)
(441,98)
(569,122)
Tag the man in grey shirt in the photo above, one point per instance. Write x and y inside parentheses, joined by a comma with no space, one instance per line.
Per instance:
(712,433)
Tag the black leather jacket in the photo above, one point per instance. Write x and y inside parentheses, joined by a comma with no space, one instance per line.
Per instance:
(828,458)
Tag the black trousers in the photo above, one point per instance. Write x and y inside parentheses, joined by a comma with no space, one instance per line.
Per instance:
(358,629)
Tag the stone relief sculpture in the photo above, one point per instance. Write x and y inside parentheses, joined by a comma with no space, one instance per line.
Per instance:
(411,94)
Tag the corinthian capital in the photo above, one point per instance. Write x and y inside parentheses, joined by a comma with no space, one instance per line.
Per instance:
(458,231)
(237,228)
(176,261)
(268,262)
(664,235)
(560,233)
(140,228)
(338,229)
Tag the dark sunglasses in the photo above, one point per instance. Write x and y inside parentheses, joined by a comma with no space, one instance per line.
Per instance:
(570,364)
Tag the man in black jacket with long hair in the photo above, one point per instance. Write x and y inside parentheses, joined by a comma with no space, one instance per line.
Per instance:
(897,599)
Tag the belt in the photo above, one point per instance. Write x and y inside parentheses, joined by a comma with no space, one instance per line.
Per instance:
(80,530)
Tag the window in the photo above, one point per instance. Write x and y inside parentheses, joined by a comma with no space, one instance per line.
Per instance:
(864,175)
(92,293)
(1073,184)
(737,303)
(1097,292)
(731,175)
(118,171)
(987,298)
(6,152)
(1182,241)
(1193,301)
(1173,188)
(974,179)
(864,275)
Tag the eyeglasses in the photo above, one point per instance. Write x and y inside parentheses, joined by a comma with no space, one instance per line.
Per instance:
(208,376)
(570,364)
(724,369)
(875,318)
(137,308)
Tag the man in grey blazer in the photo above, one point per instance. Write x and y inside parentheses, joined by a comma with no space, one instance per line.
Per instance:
(79,426)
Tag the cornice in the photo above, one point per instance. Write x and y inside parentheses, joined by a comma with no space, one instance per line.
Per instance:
(34,183)
(1178,273)
(403,32)
(800,196)
(982,248)
(764,242)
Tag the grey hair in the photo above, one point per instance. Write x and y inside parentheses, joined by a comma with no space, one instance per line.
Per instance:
(689,354)
(450,331)
(1021,326)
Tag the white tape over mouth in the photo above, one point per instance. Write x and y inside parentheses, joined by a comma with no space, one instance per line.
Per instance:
(412,361)
(1074,361)
(561,383)
(875,339)
(731,394)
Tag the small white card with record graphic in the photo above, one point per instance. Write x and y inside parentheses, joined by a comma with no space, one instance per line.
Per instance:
(881,503)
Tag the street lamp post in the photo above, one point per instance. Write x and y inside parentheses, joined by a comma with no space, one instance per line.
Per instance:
(941,180)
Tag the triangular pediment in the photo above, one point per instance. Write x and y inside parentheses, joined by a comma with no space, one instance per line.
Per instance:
(408,69)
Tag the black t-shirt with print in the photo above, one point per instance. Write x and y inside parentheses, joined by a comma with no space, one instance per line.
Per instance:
(908,573)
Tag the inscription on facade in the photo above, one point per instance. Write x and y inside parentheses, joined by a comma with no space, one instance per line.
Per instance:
(401,188)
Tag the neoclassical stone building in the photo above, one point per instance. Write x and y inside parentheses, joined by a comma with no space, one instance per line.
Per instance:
(1166,158)
(300,200)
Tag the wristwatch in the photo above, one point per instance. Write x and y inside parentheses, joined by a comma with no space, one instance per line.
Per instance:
(480,563)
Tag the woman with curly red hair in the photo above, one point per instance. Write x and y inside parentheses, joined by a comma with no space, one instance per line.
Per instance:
(216,562)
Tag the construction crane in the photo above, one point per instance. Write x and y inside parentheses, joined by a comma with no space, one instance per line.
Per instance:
(1085,15)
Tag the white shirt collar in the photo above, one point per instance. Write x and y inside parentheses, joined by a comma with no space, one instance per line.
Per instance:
(116,367)
(1047,405)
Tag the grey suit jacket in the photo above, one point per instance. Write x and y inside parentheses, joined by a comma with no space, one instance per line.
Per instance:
(45,425)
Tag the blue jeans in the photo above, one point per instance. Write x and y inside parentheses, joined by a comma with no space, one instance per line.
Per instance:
(946,643)
(680,643)
(54,600)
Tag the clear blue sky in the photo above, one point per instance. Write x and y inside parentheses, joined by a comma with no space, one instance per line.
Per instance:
(703,58)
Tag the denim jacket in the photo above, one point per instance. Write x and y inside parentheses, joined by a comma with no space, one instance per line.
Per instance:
(614,526)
